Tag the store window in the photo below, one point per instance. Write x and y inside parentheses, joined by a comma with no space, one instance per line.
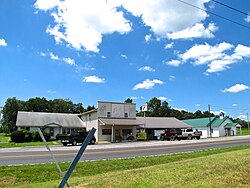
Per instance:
(106,131)
(126,115)
(108,114)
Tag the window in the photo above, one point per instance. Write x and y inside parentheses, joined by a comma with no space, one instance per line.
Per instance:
(106,131)
(89,117)
(64,130)
(108,114)
(126,115)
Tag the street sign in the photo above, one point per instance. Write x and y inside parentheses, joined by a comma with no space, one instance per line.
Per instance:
(144,108)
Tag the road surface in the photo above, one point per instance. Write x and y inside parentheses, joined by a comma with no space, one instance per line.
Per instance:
(37,155)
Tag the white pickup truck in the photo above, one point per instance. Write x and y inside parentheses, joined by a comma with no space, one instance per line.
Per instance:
(189,134)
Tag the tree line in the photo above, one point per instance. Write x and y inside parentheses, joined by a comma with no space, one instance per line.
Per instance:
(158,108)
(13,105)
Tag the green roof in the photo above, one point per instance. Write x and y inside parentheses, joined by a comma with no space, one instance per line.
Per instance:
(204,122)
(231,124)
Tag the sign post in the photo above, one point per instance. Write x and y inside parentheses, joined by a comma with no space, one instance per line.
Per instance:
(77,158)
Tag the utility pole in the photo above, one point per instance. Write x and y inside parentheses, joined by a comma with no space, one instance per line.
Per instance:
(248,123)
(210,128)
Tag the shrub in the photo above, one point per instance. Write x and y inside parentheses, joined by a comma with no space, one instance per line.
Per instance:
(36,136)
(17,136)
(28,136)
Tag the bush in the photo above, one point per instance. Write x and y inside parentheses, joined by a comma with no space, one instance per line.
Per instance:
(28,136)
(17,136)
(37,138)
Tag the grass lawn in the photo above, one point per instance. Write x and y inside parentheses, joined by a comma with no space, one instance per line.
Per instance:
(4,138)
(245,131)
(228,167)
(4,143)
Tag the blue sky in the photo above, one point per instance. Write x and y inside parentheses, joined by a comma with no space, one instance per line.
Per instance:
(111,50)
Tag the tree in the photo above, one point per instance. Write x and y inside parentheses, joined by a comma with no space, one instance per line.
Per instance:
(37,105)
(128,100)
(154,107)
(10,109)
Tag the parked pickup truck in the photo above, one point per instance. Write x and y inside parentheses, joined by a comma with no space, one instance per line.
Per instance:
(74,138)
(171,134)
(190,134)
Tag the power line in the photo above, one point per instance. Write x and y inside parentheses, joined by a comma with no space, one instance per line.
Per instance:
(230,7)
(222,17)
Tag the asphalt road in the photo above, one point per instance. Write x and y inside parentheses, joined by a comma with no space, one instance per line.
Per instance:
(35,155)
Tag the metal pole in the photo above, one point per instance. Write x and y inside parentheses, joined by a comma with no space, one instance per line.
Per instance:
(210,128)
(47,146)
(248,122)
(77,157)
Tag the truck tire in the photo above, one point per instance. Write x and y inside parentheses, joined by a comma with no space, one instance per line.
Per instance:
(190,137)
(162,138)
(92,141)
(172,138)
(74,142)
(179,138)
(198,137)
(65,144)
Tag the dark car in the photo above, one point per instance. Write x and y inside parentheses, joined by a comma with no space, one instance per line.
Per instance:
(74,138)
(171,134)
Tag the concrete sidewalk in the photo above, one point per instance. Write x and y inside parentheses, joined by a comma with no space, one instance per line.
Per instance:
(121,144)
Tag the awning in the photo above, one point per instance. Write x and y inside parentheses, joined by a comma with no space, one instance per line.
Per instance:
(114,121)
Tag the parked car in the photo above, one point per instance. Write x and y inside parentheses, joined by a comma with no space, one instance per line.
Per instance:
(189,134)
(74,138)
(171,134)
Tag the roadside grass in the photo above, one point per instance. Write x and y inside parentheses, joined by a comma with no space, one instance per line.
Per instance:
(227,166)
(13,144)
(5,142)
(244,130)
(4,137)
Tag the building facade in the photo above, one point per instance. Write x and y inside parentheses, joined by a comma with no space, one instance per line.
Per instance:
(113,121)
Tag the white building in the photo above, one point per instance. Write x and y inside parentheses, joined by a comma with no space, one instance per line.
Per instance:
(114,121)
(53,123)
(1,115)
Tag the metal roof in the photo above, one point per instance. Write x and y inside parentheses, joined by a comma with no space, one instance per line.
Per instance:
(204,122)
(120,121)
(163,122)
(41,119)
(233,125)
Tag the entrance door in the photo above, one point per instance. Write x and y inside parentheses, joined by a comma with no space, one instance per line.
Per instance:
(118,136)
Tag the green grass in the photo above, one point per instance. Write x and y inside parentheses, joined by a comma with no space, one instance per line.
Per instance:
(13,144)
(195,168)
(5,142)
(4,137)
(245,131)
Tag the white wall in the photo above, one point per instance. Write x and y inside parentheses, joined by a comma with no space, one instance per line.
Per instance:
(222,127)
(117,110)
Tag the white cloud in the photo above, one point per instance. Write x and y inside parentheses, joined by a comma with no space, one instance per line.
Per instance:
(46,4)
(148,37)
(164,17)
(43,54)
(147,68)
(124,56)
(243,117)
(51,91)
(53,56)
(181,109)
(3,42)
(171,77)
(197,31)
(217,113)
(162,98)
(247,19)
(218,57)
(198,105)
(69,61)
(103,57)
(236,88)
(136,98)
(174,63)
(147,84)
(234,104)
(93,79)
(168,46)
(82,24)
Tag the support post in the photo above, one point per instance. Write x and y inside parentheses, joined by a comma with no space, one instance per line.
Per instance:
(210,126)
(47,146)
(77,157)
(248,122)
